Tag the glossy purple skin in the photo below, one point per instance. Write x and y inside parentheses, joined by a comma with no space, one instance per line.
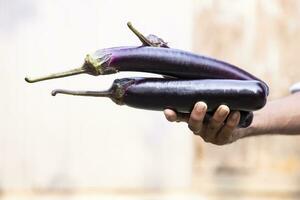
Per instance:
(181,95)
(171,62)
(245,119)
(185,65)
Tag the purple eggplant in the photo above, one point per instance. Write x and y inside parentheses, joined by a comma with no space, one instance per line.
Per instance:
(188,78)
(165,61)
(159,60)
(245,119)
(181,95)
(154,56)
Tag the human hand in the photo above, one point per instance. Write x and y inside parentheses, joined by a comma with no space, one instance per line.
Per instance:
(215,131)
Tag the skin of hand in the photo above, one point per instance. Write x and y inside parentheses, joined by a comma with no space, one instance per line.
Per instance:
(281,116)
(215,131)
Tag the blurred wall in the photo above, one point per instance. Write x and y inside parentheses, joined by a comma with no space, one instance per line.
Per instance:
(78,148)
(74,143)
(263,38)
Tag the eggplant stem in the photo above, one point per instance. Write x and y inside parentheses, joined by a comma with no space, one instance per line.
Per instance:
(72,72)
(90,66)
(106,93)
(141,37)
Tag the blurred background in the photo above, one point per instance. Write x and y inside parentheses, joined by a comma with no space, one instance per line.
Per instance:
(89,148)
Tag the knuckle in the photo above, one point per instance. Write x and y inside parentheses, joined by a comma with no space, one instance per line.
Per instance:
(195,125)
(196,130)
(205,138)
(192,128)
(233,120)
(213,125)
(198,133)
(211,136)
(196,116)
(218,120)
(225,134)
(230,126)
(211,128)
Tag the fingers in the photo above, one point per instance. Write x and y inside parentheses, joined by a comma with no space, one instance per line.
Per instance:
(170,115)
(216,123)
(196,118)
(215,131)
(226,135)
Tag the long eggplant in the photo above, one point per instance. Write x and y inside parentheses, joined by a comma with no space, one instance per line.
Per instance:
(154,56)
(194,78)
(181,95)
(166,61)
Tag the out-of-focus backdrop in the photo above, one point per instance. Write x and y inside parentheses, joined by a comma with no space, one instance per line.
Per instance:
(89,148)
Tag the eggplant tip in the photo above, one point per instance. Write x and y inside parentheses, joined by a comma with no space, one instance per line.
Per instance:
(54,92)
(28,80)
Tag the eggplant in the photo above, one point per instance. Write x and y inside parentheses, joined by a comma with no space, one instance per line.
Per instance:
(181,95)
(246,118)
(154,56)
(188,78)
(165,61)
(159,60)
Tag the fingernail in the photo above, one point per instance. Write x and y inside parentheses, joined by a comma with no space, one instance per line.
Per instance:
(223,111)
(200,106)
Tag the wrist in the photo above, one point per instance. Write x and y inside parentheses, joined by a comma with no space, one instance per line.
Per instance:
(259,126)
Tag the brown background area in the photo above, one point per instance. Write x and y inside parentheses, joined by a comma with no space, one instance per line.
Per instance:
(264,38)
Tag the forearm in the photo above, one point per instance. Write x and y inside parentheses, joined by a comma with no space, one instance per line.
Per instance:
(280,116)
